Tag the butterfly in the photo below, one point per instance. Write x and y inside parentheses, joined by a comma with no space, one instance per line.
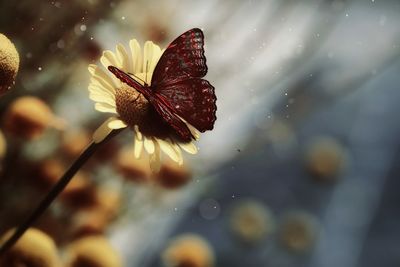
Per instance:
(177,91)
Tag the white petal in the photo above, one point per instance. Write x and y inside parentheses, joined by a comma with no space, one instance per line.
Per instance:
(194,131)
(96,86)
(117,124)
(109,59)
(149,145)
(136,56)
(138,147)
(189,147)
(169,150)
(123,57)
(156,56)
(99,73)
(102,107)
(138,134)
(102,98)
(147,59)
(101,133)
(98,92)
(178,151)
(155,162)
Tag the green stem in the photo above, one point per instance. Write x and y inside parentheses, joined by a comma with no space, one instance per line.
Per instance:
(55,191)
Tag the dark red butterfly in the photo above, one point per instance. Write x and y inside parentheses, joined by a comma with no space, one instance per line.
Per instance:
(177,90)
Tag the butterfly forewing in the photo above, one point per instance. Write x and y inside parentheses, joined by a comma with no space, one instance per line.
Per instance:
(177,77)
(183,58)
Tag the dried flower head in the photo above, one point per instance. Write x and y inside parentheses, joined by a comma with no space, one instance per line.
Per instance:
(94,251)
(251,221)
(325,158)
(299,231)
(188,250)
(131,108)
(33,249)
(172,175)
(9,64)
(29,116)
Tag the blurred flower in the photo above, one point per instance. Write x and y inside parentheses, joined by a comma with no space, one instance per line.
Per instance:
(94,218)
(131,107)
(251,221)
(3,145)
(74,142)
(9,64)
(172,175)
(135,170)
(325,158)
(29,116)
(299,231)
(94,251)
(89,222)
(79,190)
(33,249)
(188,250)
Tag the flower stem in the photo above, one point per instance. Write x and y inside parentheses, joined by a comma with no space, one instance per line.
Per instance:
(55,191)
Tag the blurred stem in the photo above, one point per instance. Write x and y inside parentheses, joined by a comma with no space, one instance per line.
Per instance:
(55,191)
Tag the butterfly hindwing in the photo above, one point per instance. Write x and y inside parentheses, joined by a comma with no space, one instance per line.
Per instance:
(194,100)
(171,118)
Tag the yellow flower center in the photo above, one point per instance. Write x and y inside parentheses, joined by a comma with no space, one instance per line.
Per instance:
(134,109)
(132,106)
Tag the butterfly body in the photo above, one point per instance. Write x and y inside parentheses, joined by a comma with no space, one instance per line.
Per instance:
(178,91)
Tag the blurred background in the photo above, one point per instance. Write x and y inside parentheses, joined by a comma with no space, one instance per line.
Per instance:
(300,169)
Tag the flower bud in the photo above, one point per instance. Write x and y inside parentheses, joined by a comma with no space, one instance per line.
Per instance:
(33,249)
(9,64)
(251,221)
(172,175)
(29,116)
(325,158)
(94,251)
(136,170)
(299,231)
(188,250)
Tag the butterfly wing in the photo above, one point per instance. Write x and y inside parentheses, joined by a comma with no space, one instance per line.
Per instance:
(178,79)
(194,100)
(183,58)
(167,113)
(126,78)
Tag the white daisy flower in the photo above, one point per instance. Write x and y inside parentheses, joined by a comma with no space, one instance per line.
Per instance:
(130,108)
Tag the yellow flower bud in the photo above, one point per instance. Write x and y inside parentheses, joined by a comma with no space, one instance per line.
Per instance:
(28,117)
(94,251)
(172,175)
(3,145)
(9,64)
(299,231)
(188,250)
(33,249)
(325,158)
(251,221)
(136,170)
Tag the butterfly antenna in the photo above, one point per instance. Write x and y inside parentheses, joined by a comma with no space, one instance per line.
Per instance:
(136,77)
(147,65)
